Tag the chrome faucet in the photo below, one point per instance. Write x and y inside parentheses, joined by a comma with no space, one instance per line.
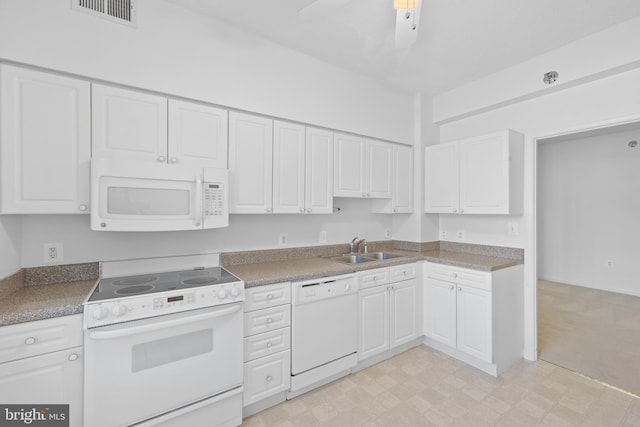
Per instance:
(358,243)
(352,244)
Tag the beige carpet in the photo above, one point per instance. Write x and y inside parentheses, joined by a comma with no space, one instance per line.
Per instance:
(593,332)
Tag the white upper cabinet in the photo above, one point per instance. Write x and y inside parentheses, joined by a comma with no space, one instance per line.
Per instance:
(288,167)
(319,171)
(481,175)
(150,128)
(197,134)
(402,183)
(128,124)
(441,178)
(45,144)
(362,168)
(250,163)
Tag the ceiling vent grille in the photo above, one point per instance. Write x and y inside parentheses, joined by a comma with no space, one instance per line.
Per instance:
(122,11)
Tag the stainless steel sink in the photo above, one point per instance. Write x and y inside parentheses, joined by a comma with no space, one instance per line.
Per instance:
(381,255)
(352,259)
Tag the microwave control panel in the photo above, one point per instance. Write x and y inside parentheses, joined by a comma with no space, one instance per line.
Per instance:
(213,199)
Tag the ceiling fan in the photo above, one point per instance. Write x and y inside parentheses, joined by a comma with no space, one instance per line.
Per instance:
(407,17)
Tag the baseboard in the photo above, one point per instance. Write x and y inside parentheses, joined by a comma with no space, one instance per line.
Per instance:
(264,404)
(374,360)
(589,285)
(489,368)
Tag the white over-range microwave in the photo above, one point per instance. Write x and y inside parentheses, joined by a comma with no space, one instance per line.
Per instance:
(134,196)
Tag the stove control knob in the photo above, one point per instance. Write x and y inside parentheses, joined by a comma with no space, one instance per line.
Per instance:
(235,292)
(118,309)
(222,293)
(98,312)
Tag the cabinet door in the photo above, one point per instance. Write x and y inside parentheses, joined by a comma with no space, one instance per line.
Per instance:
(474,322)
(379,168)
(319,171)
(374,321)
(288,167)
(128,125)
(266,376)
(484,174)
(441,178)
(402,198)
(45,148)
(349,166)
(404,316)
(52,378)
(440,311)
(197,135)
(250,163)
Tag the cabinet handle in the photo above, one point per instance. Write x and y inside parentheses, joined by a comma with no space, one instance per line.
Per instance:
(269,296)
(269,210)
(309,210)
(269,378)
(30,341)
(388,288)
(174,160)
(461,210)
(395,210)
(451,287)
(82,208)
(301,210)
(269,344)
(364,194)
(459,289)
(73,357)
(455,274)
(454,210)
(368,194)
(269,320)
(162,159)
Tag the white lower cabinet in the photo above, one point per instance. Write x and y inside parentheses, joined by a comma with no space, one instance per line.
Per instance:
(475,314)
(267,341)
(388,315)
(41,362)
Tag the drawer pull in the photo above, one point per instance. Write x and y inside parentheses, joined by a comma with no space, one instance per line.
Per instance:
(269,320)
(30,341)
(269,378)
(451,287)
(269,344)
(459,289)
(73,357)
(455,275)
(269,296)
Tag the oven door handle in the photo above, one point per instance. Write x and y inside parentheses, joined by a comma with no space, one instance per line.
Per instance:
(118,333)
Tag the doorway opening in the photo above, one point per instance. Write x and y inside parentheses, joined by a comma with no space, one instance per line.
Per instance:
(588,243)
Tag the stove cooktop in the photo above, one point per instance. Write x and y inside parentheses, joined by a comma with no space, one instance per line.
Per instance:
(122,287)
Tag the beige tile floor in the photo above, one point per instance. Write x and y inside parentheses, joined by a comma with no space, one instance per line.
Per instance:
(423,387)
(590,331)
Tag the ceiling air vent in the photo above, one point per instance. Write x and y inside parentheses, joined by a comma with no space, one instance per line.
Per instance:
(122,11)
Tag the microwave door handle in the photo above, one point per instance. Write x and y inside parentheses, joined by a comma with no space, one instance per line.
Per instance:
(198,201)
(125,332)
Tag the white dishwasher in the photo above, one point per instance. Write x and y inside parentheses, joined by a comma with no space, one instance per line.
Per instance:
(324,333)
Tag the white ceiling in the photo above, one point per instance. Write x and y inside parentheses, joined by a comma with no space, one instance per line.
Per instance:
(458,41)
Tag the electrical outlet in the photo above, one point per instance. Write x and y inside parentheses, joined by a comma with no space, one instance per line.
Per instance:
(283,239)
(512,228)
(52,253)
(387,233)
(322,237)
(461,235)
(610,264)
(443,234)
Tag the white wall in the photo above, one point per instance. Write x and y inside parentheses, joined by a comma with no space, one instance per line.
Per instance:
(177,52)
(588,206)
(10,239)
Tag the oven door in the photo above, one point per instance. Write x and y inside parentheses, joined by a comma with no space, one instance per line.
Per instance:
(141,369)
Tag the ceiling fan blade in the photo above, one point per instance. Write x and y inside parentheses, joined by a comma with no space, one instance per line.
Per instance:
(406,34)
(320,8)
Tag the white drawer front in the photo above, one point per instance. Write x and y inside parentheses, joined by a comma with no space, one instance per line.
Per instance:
(39,337)
(402,272)
(267,343)
(463,276)
(269,319)
(266,376)
(260,297)
(371,278)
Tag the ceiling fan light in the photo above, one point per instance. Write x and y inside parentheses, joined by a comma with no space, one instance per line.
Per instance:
(404,4)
